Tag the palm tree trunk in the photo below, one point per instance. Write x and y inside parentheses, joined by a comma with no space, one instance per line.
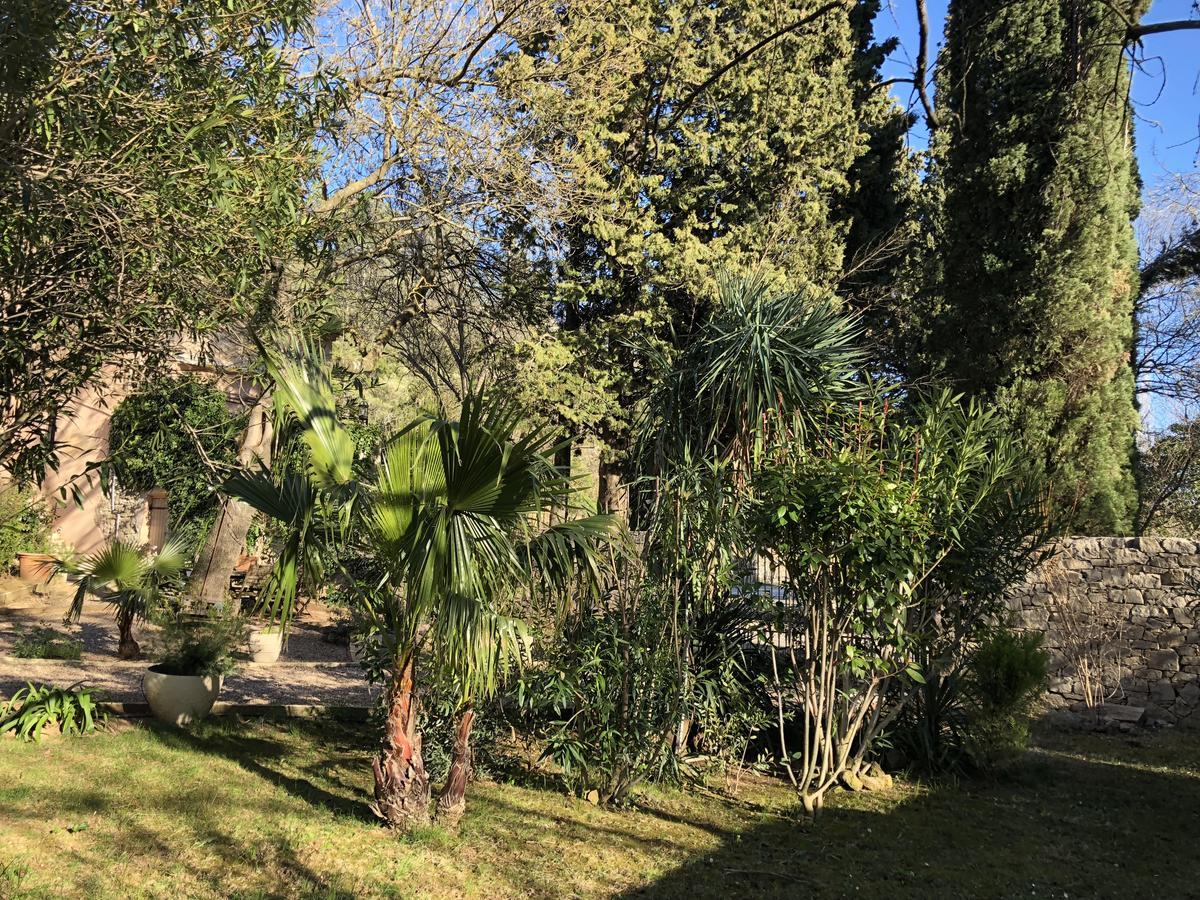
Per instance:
(453,801)
(401,784)
(127,647)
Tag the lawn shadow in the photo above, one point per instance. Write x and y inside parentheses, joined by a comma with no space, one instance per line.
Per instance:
(262,756)
(1060,825)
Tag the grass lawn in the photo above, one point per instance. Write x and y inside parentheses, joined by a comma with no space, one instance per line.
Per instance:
(262,809)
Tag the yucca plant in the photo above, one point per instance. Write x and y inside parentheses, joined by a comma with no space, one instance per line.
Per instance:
(758,374)
(131,580)
(456,516)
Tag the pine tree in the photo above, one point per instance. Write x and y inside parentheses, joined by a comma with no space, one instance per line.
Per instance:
(1031,298)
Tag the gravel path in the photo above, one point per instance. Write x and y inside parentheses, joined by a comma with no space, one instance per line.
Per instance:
(328,684)
(311,671)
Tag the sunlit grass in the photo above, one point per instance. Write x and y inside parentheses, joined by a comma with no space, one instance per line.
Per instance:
(262,809)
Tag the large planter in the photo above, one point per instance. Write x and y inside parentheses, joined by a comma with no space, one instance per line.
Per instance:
(35,566)
(180,699)
(265,644)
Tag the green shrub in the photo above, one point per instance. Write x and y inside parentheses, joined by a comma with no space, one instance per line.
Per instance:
(36,707)
(200,646)
(491,752)
(24,524)
(606,700)
(974,716)
(47,643)
(166,436)
(1003,681)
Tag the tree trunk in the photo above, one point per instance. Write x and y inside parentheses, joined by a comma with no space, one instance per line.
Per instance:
(127,647)
(401,785)
(453,801)
(209,583)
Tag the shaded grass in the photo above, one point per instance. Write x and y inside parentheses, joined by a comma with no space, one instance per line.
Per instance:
(277,809)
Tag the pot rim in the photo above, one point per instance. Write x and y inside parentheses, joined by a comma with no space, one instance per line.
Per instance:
(158,670)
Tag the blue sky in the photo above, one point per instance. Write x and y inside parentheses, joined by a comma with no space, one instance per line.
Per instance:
(1166,94)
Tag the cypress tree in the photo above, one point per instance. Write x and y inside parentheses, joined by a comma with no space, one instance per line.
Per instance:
(1030,299)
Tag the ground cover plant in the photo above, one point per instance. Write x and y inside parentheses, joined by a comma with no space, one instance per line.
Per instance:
(276,809)
(46,643)
(33,709)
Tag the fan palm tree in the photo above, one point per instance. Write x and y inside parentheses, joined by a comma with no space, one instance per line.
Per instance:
(129,579)
(455,515)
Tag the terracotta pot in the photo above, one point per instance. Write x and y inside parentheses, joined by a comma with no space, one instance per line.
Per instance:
(265,644)
(35,566)
(180,699)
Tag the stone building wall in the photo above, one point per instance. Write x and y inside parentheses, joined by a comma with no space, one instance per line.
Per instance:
(1122,623)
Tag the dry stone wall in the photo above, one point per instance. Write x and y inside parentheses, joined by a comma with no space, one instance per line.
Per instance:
(1122,623)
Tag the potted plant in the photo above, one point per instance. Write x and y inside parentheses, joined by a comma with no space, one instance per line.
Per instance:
(265,642)
(25,533)
(130,580)
(197,654)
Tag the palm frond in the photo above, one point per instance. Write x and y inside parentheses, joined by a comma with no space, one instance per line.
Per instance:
(304,388)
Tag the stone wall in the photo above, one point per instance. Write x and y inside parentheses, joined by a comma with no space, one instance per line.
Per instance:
(1122,623)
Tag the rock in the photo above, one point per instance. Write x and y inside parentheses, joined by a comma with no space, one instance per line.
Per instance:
(875,779)
(1163,660)
(851,782)
(1118,712)
(1177,545)
(1190,693)
(1035,619)
(1162,692)
(592,797)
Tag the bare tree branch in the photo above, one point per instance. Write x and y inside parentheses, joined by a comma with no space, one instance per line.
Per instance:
(1137,32)
(921,69)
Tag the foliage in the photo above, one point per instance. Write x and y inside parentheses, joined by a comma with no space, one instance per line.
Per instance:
(761,369)
(714,138)
(46,643)
(1033,264)
(24,523)
(762,364)
(491,733)
(130,580)
(878,523)
(1169,481)
(34,708)
(458,517)
(200,645)
(176,434)
(1005,677)
(157,154)
(608,699)
(994,508)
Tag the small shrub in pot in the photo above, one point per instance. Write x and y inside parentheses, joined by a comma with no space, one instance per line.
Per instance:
(197,653)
